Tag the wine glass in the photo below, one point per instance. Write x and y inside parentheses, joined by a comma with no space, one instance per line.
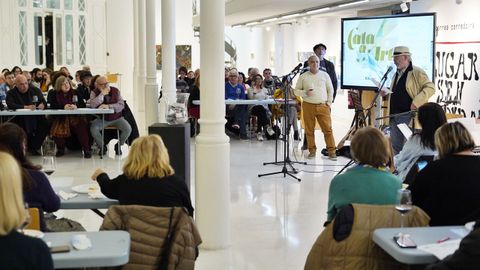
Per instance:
(403,205)
(35,100)
(48,164)
(75,99)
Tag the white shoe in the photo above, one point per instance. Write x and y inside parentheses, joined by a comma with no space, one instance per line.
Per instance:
(259,136)
(270,131)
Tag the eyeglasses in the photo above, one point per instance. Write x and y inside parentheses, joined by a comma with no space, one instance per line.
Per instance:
(102,84)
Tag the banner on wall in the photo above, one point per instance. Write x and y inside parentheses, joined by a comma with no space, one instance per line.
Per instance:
(457,62)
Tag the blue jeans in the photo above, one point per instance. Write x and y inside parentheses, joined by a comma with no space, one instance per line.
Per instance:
(396,136)
(120,123)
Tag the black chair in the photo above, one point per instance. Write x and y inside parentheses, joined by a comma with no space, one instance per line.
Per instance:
(412,173)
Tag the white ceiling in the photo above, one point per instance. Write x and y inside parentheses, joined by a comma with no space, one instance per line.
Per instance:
(241,11)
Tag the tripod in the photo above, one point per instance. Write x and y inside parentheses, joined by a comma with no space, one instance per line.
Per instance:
(286,144)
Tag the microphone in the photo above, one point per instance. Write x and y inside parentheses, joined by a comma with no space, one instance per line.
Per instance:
(297,67)
(386,73)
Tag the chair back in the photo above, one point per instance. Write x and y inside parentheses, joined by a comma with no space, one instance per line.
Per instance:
(161,237)
(34,219)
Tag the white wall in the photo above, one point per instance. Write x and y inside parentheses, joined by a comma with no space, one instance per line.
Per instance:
(119,44)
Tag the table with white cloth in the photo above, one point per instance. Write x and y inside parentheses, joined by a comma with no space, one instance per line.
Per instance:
(109,248)
(79,111)
(83,201)
(252,101)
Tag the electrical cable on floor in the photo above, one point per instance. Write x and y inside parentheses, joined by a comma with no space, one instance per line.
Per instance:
(317,171)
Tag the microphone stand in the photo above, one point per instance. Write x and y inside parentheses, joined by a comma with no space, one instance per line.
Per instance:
(368,110)
(412,113)
(286,153)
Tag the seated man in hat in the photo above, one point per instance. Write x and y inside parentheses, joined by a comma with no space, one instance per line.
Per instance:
(411,88)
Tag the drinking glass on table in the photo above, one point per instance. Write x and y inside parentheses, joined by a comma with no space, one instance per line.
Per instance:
(75,99)
(35,100)
(404,204)
(48,164)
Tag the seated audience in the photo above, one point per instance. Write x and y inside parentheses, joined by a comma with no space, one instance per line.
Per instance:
(36,188)
(83,89)
(46,83)
(22,96)
(467,256)
(65,126)
(16,70)
(242,80)
(448,188)
(17,251)
(194,110)
(369,182)
(7,85)
(258,92)
(105,96)
(431,116)
(237,113)
(37,77)
(148,178)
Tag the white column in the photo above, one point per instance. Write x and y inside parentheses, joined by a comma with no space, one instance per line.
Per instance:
(168,55)
(151,87)
(212,154)
(139,63)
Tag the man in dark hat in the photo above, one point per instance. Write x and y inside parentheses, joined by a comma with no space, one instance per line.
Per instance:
(320,50)
(410,88)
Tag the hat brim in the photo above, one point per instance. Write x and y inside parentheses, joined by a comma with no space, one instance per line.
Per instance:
(399,54)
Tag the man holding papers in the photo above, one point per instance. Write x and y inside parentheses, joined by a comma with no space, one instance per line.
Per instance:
(410,88)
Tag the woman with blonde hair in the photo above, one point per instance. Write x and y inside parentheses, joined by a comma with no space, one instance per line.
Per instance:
(17,251)
(148,178)
(448,189)
(370,181)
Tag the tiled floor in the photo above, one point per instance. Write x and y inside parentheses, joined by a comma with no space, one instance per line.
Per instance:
(275,220)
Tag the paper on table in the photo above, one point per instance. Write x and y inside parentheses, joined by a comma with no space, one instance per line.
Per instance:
(441,250)
(96,195)
(67,196)
(406,131)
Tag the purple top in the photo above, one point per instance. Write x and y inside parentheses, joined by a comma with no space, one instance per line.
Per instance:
(41,195)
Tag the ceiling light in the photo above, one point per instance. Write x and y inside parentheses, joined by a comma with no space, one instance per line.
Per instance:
(317,10)
(269,20)
(353,3)
(251,23)
(290,16)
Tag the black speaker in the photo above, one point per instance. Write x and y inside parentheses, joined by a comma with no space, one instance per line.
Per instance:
(177,140)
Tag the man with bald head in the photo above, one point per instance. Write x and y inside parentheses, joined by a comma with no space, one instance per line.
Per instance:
(316,89)
(23,96)
(105,96)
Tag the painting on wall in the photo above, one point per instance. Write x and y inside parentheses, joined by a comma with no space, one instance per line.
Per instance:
(183,55)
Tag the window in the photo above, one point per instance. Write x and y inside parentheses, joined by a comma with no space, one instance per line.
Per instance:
(22,3)
(58,40)
(38,32)
(81,39)
(81,5)
(53,4)
(37,3)
(69,39)
(68,4)
(23,38)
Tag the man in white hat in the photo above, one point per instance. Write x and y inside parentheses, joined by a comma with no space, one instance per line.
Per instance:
(411,88)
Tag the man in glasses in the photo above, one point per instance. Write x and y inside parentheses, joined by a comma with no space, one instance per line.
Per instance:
(105,96)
